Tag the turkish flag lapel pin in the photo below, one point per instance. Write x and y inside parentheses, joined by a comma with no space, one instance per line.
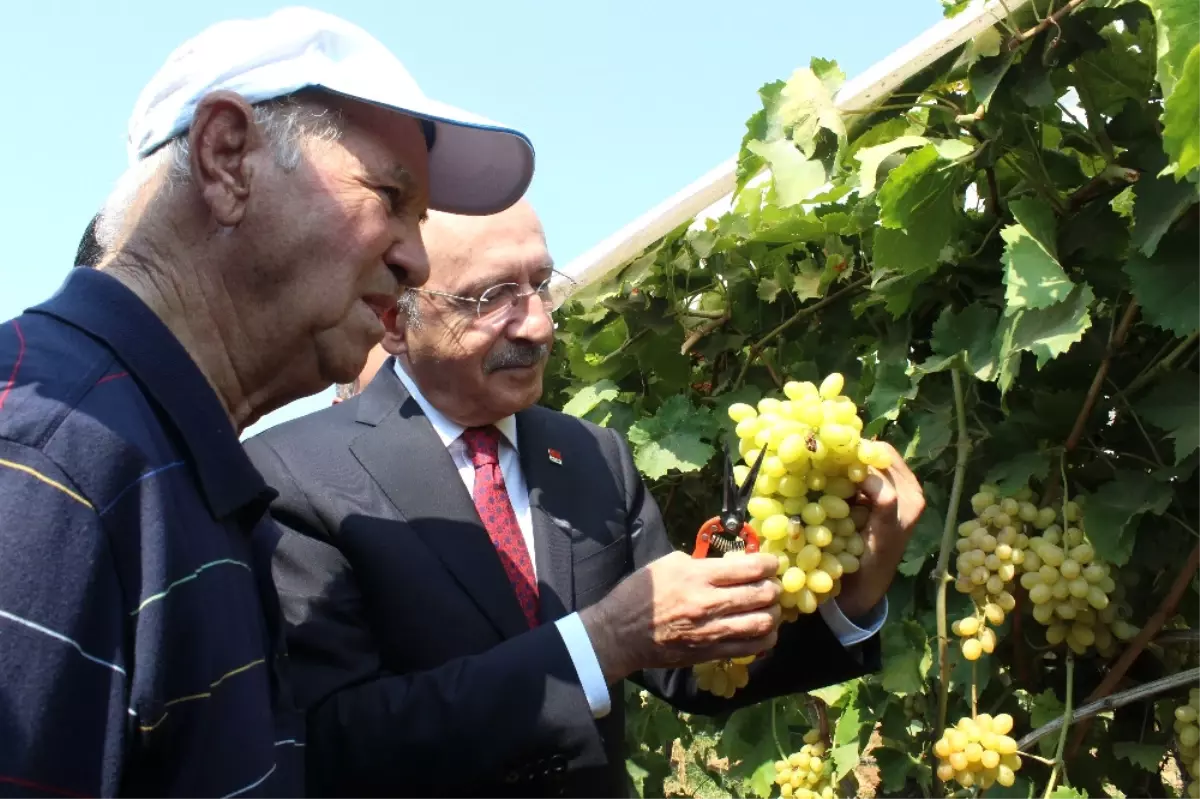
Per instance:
(555,456)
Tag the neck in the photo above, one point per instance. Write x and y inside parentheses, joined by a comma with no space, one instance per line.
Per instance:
(174,289)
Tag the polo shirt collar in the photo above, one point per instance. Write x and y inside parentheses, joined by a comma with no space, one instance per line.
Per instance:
(447,429)
(105,309)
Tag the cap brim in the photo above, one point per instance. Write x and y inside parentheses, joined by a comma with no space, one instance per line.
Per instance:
(476,167)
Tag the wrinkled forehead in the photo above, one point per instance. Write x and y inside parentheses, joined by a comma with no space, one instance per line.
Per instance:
(470,253)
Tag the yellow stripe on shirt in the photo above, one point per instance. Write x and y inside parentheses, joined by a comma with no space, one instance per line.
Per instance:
(20,467)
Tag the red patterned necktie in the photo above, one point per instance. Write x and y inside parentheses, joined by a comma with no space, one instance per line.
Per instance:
(496,512)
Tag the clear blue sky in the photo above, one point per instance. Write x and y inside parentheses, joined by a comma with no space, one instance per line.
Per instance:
(626,101)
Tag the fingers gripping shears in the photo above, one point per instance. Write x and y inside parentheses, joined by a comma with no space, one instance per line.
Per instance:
(729,531)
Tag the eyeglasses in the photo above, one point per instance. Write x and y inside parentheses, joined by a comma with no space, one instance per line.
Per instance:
(504,297)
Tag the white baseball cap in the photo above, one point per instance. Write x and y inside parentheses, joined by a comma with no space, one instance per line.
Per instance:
(476,166)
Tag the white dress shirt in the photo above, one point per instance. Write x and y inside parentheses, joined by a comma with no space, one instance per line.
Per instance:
(574,634)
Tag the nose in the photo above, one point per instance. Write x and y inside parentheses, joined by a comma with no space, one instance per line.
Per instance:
(407,258)
(532,320)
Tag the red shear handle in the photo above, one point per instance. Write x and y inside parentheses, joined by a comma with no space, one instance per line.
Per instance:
(713,527)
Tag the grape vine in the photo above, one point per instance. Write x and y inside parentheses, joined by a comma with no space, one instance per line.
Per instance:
(1000,264)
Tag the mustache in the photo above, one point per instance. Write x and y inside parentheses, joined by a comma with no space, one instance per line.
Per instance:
(515,353)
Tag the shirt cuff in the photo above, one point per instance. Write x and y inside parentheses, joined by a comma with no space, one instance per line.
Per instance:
(850,632)
(587,666)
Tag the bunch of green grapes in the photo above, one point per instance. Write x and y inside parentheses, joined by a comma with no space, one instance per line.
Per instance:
(723,678)
(1187,731)
(800,505)
(978,752)
(1071,590)
(991,547)
(804,775)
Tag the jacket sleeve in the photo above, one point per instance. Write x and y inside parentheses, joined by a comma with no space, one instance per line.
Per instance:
(514,713)
(808,655)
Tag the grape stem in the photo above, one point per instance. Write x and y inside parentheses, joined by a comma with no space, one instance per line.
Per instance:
(775,730)
(808,310)
(1135,694)
(941,572)
(1066,724)
(974,689)
(1153,625)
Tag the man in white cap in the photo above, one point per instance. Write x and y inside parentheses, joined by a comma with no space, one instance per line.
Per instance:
(280,169)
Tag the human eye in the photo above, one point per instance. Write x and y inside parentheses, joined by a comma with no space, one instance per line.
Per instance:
(394,197)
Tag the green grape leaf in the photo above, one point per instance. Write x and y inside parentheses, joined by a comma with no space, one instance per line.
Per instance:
(1177,27)
(588,397)
(905,650)
(807,283)
(1044,709)
(871,157)
(1181,119)
(1067,792)
(1112,510)
(849,724)
(1174,407)
(1032,274)
(676,437)
(917,252)
(1014,474)
(1046,332)
(895,766)
(768,289)
(927,532)
(845,758)
(758,128)
(834,695)
(806,105)
(637,776)
(795,177)
(968,332)
(1158,202)
(1144,756)
(892,389)
(762,781)
(1167,284)
(932,436)
(918,185)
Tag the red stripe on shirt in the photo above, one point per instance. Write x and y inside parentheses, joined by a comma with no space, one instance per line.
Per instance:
(37,786)
(12,379)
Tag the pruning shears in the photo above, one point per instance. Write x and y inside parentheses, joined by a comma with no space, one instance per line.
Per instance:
(729,531)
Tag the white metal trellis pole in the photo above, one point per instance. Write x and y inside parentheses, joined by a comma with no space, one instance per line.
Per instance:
(711,194)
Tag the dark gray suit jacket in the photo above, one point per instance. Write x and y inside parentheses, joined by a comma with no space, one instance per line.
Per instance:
(408,647)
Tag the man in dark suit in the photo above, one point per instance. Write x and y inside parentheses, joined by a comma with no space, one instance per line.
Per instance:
(466,576)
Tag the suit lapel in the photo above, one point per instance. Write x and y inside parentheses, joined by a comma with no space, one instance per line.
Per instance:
(549,493)
(404,455)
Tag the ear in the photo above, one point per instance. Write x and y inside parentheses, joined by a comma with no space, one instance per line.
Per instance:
(222,140)
(395,340)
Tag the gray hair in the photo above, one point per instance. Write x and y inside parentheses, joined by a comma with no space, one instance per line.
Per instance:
(287,124)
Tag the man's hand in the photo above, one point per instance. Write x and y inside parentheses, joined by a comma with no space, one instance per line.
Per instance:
(679,610)
(896,501)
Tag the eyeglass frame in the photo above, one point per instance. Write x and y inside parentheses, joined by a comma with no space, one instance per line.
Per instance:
(548,303)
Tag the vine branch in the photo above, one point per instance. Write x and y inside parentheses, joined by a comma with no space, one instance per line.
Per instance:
(1147,633)
(1052,19)
(1135,694)
(808,310)
(1154,371)
(941,571)
(1066,723)
(1093,394)
(703,330)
